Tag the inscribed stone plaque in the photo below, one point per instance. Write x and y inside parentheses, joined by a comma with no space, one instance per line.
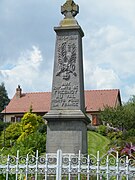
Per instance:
(66,80)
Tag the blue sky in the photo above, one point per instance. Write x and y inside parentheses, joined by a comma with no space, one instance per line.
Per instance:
(27,42)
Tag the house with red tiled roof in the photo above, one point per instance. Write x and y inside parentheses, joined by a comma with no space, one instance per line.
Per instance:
(95,101)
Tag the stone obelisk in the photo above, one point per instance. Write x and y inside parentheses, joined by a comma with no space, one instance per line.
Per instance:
(66,120)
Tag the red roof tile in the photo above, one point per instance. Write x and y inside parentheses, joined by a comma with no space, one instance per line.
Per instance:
(96,100)
(40,101)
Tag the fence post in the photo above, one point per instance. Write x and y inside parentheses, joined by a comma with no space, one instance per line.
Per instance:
(69,168)
(7,168)
(46,166)
(98,165)
(117,166)
(88,168)
(27,163)
(17,165)
(127,168)
(79,165)
(107,167)
(59,164)
(36,169)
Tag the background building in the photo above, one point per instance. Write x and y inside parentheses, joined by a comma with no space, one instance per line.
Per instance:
(39,103)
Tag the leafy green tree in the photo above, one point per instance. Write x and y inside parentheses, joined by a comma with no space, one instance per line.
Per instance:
(121,117)
(115,117)
(129,109)
(4,100)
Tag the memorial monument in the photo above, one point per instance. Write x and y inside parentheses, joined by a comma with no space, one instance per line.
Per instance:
(66,120)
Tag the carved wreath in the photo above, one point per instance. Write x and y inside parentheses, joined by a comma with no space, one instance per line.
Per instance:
(66,60)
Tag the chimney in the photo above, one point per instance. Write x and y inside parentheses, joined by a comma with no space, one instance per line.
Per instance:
(18,92)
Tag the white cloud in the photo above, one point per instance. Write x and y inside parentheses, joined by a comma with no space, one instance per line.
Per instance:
(109,43)
(113,34)
(105,78)
(99,78)
(27,73)
(33,58)
(129,91)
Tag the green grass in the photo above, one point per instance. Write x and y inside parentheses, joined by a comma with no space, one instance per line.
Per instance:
(97,142)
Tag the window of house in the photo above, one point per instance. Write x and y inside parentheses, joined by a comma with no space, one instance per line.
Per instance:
(18,119)
(12,119)
(95,120)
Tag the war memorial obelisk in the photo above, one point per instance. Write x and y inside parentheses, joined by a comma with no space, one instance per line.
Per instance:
(66,120)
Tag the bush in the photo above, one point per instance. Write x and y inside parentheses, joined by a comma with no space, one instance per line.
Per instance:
(130,133)
(3,125)
(115,135)
(26,136)
(32,143)
(102,130)
(131,140)
(30,123)
(10,134)
(42,128)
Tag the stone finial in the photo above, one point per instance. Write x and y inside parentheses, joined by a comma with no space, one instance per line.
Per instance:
(70,9)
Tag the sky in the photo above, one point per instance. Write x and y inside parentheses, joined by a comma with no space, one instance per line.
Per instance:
(27,44)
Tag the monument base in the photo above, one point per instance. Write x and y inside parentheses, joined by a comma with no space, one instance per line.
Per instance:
(67,132)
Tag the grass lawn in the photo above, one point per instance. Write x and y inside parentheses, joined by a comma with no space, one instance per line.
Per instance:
(97,142)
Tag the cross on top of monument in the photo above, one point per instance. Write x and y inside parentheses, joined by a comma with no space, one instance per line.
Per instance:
(70,9)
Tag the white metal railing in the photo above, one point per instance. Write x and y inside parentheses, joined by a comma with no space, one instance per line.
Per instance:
(67,166)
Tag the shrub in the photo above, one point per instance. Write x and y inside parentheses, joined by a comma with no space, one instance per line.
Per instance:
(30,123)
(10,134)
(35,141)
(129,149)
(115,135)
(102,130)
(3,125)
(130,133)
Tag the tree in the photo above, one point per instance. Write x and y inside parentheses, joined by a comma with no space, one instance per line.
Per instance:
(4,100)
(115,117)
(121,117)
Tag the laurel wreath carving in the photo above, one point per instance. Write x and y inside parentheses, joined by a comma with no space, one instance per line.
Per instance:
(66,60)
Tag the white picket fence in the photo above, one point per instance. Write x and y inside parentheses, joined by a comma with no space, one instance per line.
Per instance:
(62,166)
